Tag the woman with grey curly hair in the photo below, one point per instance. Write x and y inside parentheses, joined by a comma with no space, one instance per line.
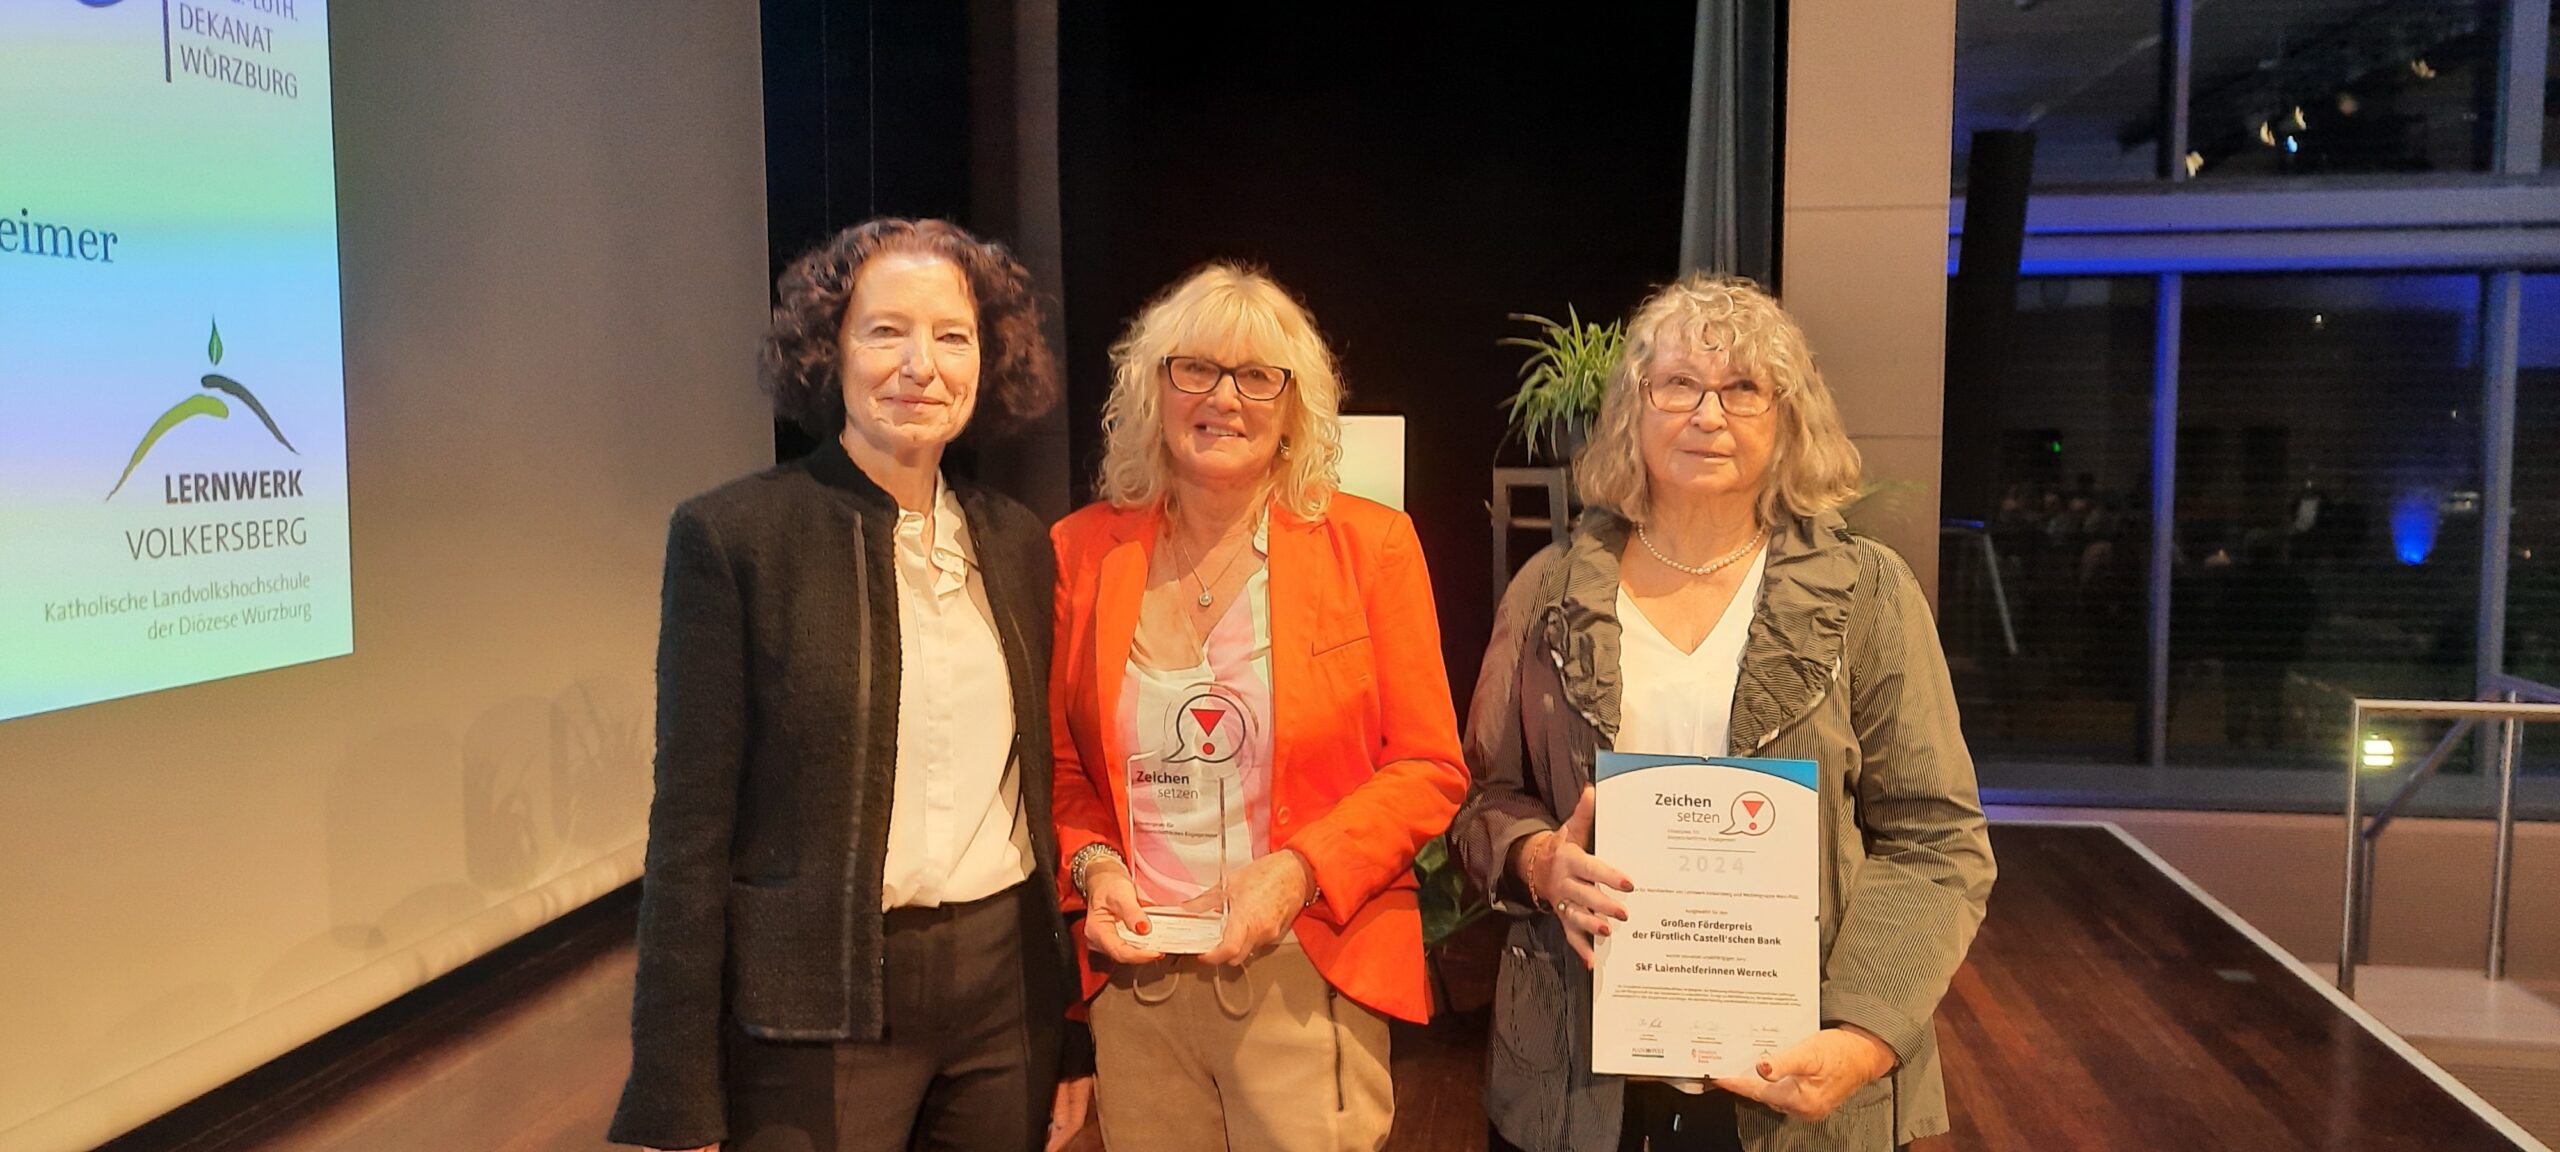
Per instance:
(1712,604)
(848,935)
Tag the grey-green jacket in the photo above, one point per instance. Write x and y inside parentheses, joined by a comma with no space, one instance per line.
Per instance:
(1842,667)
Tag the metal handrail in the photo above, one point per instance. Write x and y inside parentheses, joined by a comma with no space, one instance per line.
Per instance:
(1973,530)
(2516,689)
(2515,703)
(2443,751)
(2505,687)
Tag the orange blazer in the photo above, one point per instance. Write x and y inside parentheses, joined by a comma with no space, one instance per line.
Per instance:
(1366,764)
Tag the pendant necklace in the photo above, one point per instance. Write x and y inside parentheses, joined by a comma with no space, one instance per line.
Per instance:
(1180,554)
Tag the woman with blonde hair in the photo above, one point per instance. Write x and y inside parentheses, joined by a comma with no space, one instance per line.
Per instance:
(1253,737)
(1714,603)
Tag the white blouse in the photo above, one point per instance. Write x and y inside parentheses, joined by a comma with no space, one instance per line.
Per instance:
(956,829)
(1681,703)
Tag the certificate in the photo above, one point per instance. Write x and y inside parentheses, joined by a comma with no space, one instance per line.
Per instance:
(1718,963)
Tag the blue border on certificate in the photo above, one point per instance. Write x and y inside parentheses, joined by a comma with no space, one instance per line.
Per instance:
(1803,773)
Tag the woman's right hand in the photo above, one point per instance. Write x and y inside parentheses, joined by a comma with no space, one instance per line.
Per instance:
(1583,888)
(1110,900)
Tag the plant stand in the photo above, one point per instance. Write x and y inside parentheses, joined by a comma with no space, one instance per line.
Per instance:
(1507,517)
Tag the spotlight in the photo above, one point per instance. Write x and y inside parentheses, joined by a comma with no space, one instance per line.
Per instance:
(2378,752)
(2267,133)
(2195,163)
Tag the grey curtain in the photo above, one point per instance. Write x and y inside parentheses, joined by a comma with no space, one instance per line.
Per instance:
(1736,93)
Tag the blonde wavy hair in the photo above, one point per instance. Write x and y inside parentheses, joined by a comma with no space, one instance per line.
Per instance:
(1813,468)
(1223,305)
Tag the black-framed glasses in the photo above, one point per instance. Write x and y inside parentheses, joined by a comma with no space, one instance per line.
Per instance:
(1683,394)
(1200,377)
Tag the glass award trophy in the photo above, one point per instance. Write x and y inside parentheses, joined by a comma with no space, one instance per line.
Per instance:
(1179,841)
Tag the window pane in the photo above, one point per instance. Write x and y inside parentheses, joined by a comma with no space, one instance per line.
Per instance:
(2328,526)
(2289,87)
(2041,587)
(2533,556)
(2550,107)
(2078,75)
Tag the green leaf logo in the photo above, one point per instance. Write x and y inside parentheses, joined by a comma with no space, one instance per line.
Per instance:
(202,405)
(177,414)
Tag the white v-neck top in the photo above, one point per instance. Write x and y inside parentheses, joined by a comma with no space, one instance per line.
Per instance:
(1681,703)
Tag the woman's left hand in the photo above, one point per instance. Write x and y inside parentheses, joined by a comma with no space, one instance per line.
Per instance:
(1812,1079)
(1262,901)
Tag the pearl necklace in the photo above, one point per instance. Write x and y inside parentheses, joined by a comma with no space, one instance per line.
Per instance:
(1708,568)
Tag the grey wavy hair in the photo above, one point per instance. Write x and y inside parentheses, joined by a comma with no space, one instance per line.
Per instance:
(1812,469)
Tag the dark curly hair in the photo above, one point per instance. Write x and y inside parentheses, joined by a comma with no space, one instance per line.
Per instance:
(802,359)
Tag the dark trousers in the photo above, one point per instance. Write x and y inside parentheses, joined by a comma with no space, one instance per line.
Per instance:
(969,1060)
(1660,1118)
(1665,1119)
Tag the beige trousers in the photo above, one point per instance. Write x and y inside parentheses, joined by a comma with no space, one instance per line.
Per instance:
(1263,1058)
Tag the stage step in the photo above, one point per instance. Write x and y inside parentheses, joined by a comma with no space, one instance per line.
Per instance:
(2501,1040)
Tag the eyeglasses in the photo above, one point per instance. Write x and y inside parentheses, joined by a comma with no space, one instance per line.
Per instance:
(1200,377)
(1682,394)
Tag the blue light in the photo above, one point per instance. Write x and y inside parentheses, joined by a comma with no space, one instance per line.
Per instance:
(2414,519)
(2292,144)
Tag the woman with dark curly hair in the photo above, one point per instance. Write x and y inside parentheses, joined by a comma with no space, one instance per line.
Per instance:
(848,939)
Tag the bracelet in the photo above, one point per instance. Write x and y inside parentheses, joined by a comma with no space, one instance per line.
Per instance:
(1530,879)
(1315,887)
(1084,858)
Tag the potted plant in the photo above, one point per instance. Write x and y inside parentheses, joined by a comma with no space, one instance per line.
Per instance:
(1561,382)
(1449,904)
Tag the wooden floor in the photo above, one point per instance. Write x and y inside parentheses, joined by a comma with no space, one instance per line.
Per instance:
(2104,1006)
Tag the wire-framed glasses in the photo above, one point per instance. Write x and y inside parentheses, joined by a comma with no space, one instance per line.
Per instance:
(1740,396)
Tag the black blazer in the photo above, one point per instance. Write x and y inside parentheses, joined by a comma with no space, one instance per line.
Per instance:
(777,747)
